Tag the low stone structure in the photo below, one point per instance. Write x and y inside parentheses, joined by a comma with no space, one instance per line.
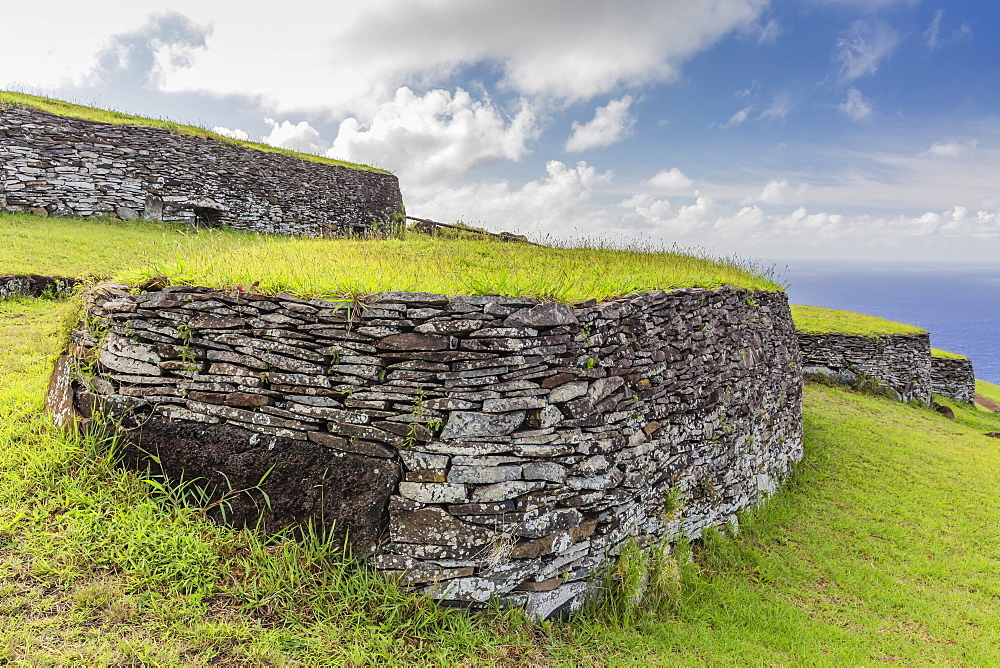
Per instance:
(59,166)
(953,377)
(479,447)
(33,285)
(901,362)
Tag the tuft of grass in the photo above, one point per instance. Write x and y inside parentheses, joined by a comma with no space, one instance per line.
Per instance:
(352,268)
(818,320)
(944,354)
(70,110)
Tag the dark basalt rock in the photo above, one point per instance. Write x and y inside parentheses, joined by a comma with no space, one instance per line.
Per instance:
(33,285)
(943,410)
(345,493)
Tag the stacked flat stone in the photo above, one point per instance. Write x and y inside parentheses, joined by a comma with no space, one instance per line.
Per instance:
(901,362)
(516,445)
(954,377)
(58,166)
(33,285)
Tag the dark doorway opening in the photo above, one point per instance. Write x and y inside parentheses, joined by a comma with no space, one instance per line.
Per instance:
(205,216)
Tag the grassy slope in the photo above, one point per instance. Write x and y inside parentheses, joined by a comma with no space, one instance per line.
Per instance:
(988,390)
(61,108)
(885,547)
(323,267)
(817,320)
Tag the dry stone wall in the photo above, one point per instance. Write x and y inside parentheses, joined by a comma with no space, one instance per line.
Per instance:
(33,285)
(953,378)
(59,166)
(479,447)
(901,362)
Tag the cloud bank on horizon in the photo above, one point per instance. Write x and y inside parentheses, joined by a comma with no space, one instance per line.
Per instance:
(822,128)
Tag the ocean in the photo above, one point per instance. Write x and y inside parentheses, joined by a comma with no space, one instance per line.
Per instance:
(959,304)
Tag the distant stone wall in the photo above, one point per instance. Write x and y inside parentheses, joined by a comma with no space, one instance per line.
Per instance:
(33,285)
(58,166)
(953,378)
(478,446)
(901,362)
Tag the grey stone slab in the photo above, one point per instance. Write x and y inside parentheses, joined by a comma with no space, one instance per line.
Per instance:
(467,424)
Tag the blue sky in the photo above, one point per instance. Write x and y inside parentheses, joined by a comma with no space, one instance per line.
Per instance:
(819,128)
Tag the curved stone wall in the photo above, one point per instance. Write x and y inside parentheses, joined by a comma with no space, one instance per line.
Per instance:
(59,166)
(901,362)
(478,446)
(953,378)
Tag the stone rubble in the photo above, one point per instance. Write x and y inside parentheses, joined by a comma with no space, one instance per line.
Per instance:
(519,445)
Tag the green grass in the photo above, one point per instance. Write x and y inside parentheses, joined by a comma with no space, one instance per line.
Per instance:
(817,320)
(944,354)
(61,108)
(134,251)
(988,390)
(883,548)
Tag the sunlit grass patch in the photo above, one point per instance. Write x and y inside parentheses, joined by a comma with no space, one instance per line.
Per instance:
(988,391)
(68,109)
(946,355)
(134,251)
(818,320)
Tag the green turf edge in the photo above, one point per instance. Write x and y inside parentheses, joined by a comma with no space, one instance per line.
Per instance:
(819,320)
(134,251)
(946,355)
(70,110)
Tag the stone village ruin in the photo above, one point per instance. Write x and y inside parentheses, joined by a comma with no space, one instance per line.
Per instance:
(58,166)
(477,447)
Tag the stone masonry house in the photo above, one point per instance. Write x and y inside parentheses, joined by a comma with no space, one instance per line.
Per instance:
(61,166)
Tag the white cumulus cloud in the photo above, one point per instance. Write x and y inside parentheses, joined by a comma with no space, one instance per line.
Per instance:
(299,136)
(554,203)
(436,136)
(672,181)
(294,136)
(781,192)
(349,57)
(611,124)
(234,133)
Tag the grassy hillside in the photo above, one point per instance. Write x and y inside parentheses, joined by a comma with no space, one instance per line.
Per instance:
(884,548)
(61,108)
(322,267)
(818,320)
(989,395)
